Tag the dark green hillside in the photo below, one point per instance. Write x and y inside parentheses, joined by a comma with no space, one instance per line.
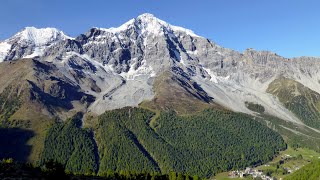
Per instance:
(310,172)
(10,169)
(302,101)
(71,146)
(122,136)
(9,104)
(255,107)
(295,135)
(204,144)
(218,140)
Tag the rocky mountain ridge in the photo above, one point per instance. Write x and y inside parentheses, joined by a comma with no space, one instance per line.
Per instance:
(119,66)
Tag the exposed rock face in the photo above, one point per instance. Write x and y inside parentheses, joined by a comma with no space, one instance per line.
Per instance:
(118,66)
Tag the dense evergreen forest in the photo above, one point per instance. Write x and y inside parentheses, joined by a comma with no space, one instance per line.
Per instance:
(69,144)
(203,144)
(306,138)
(53,170)
(119,147)
(221,140)
(136,141)
(299,99)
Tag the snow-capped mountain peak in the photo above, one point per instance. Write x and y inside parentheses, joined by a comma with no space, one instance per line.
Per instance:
(147,16)
(30,42)
(119,65)
(148,23)
(153,24)
(39,36)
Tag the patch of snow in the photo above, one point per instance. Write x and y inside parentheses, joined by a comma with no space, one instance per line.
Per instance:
(4,49)
(187,31)
(38,51)
(121,28)
(212,75)
(143,70)
(94,42)
(182,62)
(193,52)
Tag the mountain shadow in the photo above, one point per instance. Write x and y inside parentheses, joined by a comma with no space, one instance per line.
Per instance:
(13,143)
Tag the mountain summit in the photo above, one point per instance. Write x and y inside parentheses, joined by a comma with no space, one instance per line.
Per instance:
(148,23)
(39,37)
(29,42)
(149,62)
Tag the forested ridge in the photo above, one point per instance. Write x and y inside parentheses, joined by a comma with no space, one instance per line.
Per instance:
(299,99)
(123,141)
(73,147)
(221,140)
(203,144)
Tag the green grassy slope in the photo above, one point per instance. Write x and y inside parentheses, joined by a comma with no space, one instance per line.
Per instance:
(9,103)
(255,107)
(179,94)
(281,167)
(295,135)
(302,101)
(31,97)
(310,172)
(18,115)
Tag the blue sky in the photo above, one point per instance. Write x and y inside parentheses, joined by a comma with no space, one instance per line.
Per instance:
(288,27)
